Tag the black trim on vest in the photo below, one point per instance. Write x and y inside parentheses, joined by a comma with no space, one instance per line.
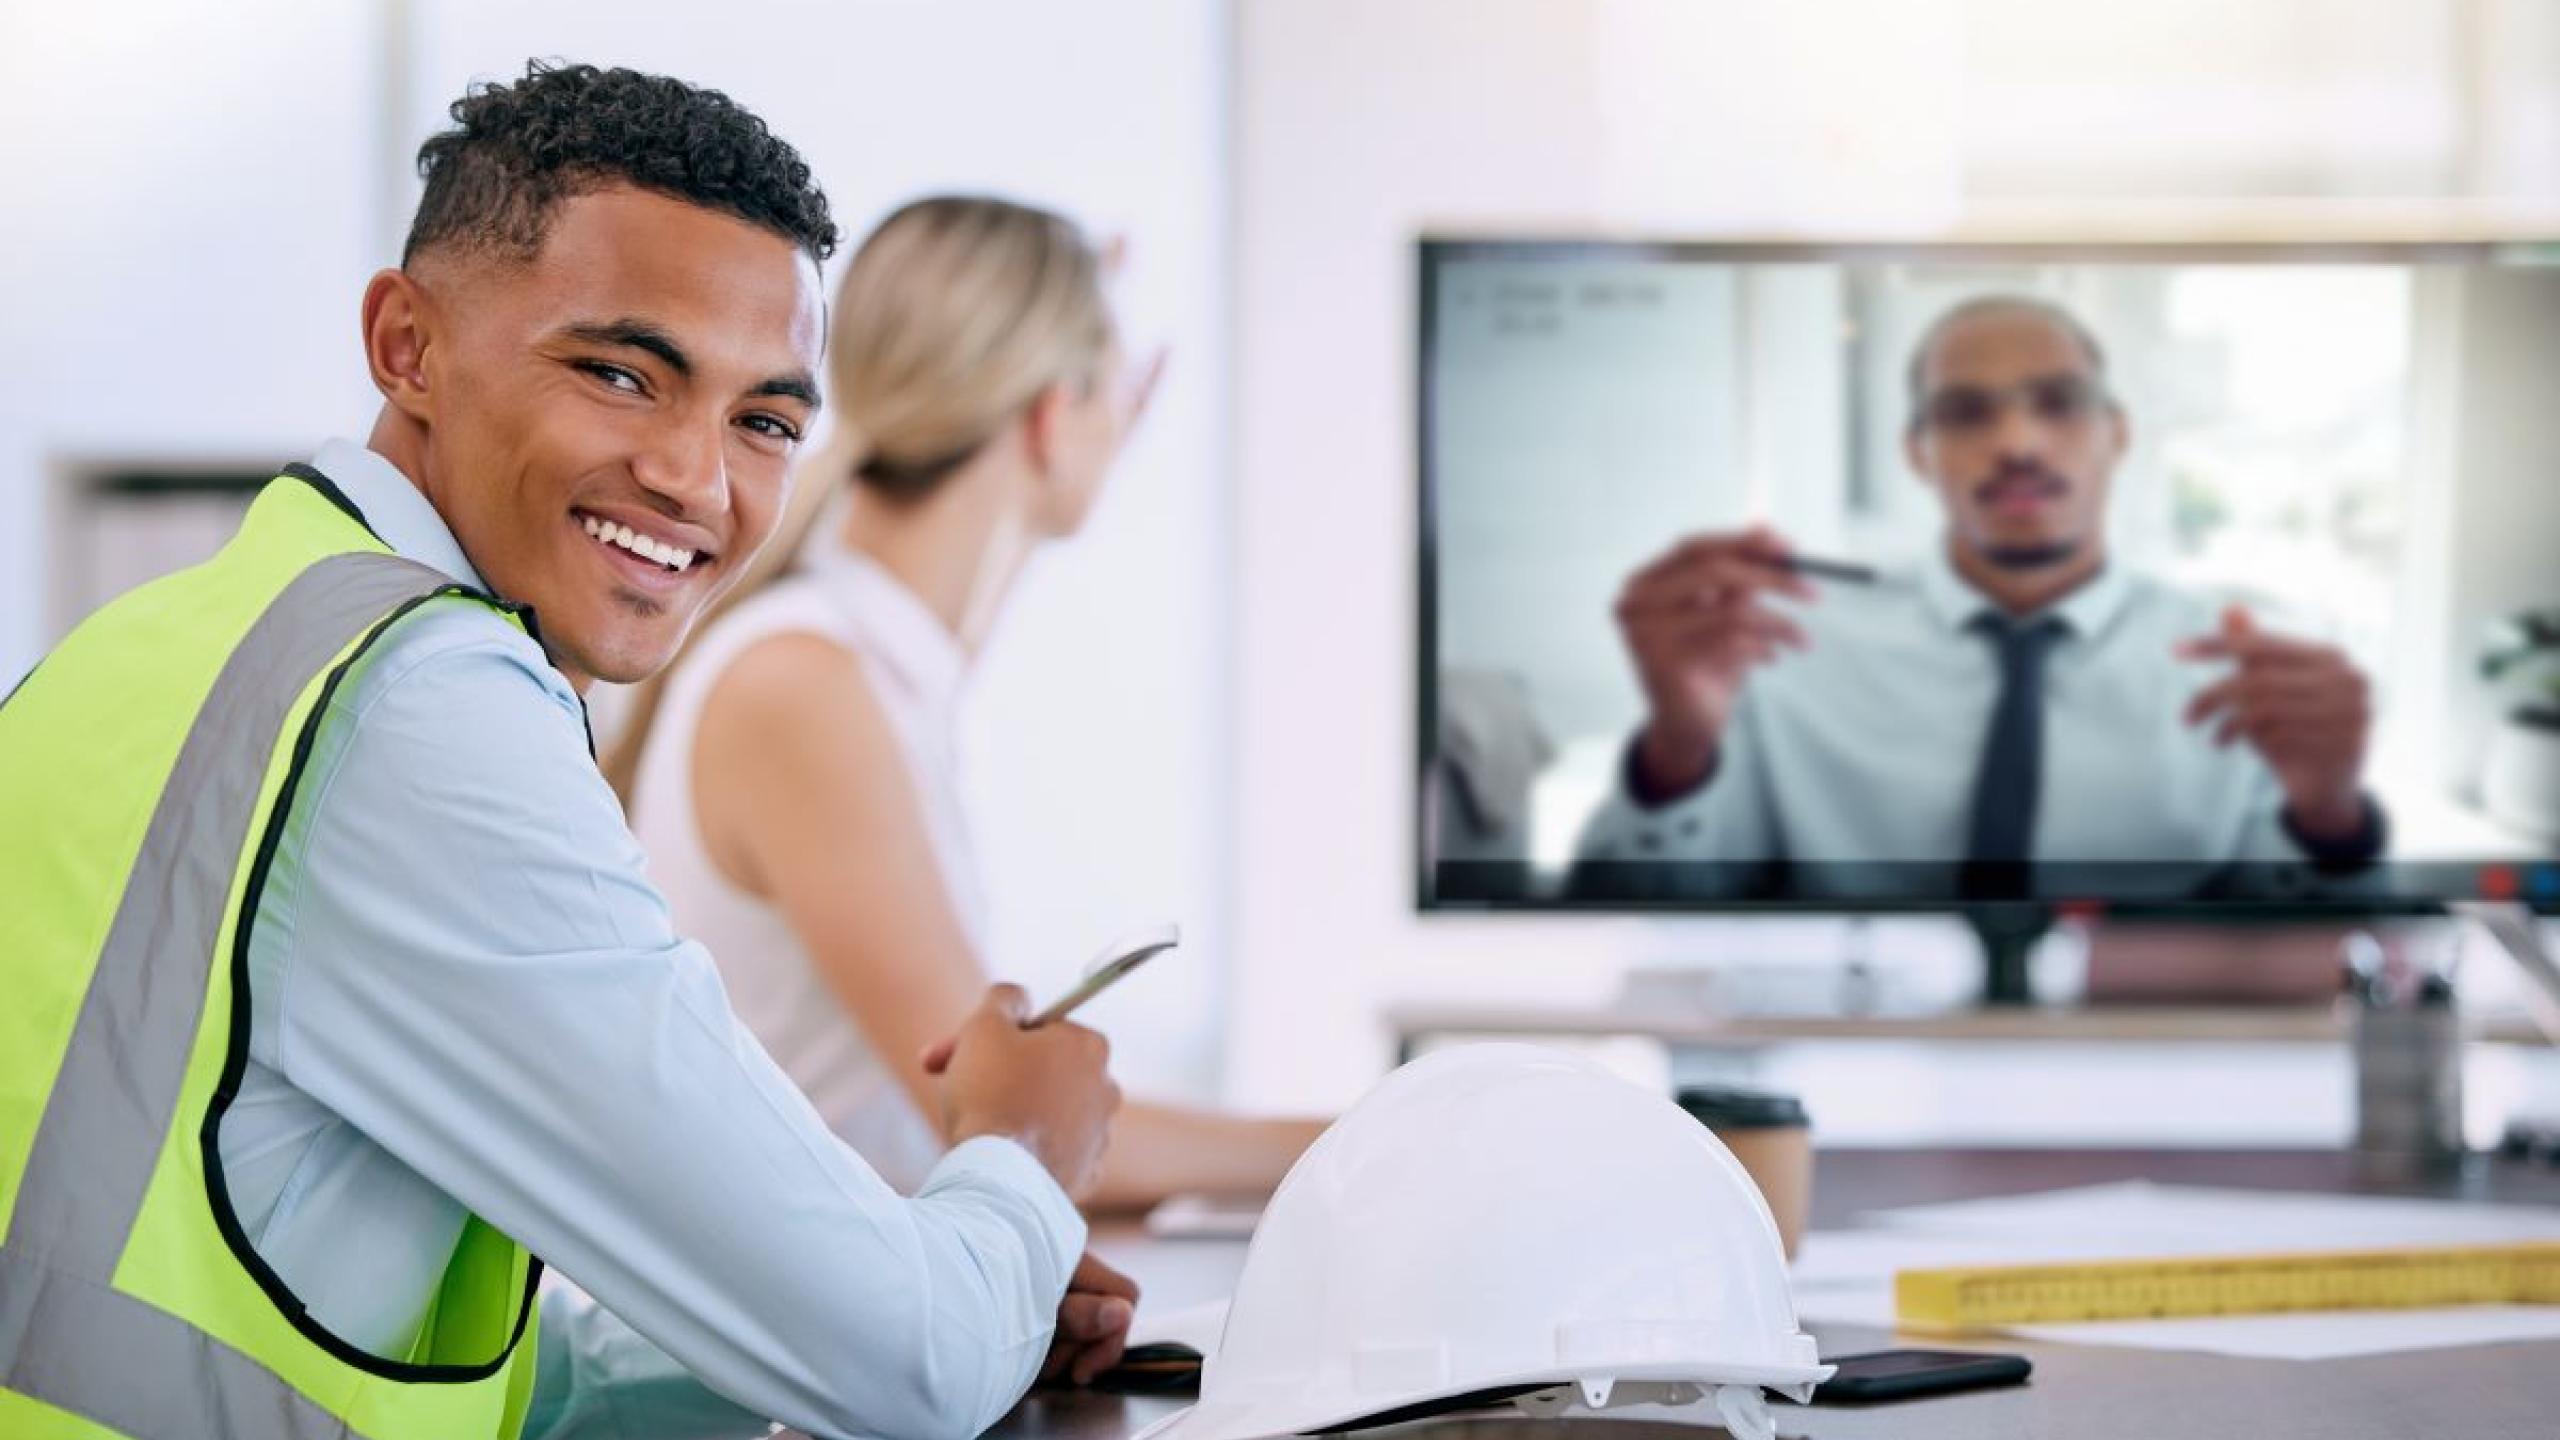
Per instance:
(329,490)
(236,1059)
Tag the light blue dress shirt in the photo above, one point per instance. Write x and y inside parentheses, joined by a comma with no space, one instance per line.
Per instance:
(465,996)
(1862,750)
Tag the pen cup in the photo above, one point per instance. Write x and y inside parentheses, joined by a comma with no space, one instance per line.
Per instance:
(1770,1135)
(2408,1064)
(2404,1036)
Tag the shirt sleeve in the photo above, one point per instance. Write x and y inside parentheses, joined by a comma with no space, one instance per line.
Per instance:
(2272,836)
(1727,818)
(504,1006)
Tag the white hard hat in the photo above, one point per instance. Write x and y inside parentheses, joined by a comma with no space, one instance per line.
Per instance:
(1504,1223)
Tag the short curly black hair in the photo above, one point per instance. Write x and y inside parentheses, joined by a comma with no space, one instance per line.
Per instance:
(517,150)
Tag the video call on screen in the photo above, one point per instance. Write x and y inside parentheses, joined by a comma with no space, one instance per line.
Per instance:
(2309,491)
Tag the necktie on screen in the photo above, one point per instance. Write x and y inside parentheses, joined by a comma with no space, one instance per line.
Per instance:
(2004,789)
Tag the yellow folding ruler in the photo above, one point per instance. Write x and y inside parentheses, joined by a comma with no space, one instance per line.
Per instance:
(1993,1297)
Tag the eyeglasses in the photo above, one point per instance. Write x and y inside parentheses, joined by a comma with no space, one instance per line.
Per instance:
(2052,399)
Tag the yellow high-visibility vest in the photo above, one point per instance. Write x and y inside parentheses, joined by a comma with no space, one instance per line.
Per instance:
(147,767)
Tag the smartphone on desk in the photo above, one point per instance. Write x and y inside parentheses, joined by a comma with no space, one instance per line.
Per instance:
(1880,1375)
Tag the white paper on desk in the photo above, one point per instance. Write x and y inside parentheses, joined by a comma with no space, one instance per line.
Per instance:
(1197,1326)
(1847,1276)
(1204,1217)
(2318,1335)
(2148,1217)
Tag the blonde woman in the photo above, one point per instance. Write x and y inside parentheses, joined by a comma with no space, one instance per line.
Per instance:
(792,777)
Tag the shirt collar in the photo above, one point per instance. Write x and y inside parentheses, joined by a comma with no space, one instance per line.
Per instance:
(904,632)
(396,510)
(2085,612)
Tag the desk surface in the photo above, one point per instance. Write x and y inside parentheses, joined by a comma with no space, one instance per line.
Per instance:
(2487,1392)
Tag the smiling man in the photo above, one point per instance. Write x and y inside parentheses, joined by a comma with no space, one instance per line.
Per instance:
(337,992)
(2024,697)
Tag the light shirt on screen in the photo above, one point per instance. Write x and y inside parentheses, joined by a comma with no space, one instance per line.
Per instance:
(1865,747)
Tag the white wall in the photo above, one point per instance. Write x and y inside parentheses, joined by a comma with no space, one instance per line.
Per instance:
(197,194)
(188,228)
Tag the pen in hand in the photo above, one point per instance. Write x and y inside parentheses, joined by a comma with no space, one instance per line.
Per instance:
(1105,970)
(1848,571)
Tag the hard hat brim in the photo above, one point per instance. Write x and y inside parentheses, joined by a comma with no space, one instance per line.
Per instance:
(1211,1421)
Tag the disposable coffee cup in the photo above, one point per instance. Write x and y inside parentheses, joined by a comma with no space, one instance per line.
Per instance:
(1769,1134)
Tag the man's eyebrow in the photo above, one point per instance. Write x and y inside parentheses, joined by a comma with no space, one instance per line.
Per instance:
(799,385)
(636,335)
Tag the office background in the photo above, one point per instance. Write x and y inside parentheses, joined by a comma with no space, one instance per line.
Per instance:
(1201,709)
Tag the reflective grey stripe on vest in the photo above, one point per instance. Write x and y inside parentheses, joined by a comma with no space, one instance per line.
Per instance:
(110,1109)
(137,1369)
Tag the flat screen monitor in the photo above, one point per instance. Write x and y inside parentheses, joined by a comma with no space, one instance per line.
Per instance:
(1913,576)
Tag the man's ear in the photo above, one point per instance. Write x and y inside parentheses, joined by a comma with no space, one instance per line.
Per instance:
(398,328)
(1911,453)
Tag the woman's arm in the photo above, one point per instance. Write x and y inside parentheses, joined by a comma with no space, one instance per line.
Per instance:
(1161,1150)
(801,791)
(803,796)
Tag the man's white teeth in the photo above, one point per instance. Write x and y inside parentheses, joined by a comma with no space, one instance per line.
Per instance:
(673,558)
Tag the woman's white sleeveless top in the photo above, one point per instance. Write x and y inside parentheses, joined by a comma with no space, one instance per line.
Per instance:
(915,668)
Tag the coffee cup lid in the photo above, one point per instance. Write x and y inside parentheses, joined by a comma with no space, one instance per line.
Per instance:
(1734,1107)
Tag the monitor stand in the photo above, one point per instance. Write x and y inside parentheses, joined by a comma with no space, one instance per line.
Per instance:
(2517,932)
(2008,934)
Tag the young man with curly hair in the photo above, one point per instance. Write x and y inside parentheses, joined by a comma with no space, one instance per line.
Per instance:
(338,993)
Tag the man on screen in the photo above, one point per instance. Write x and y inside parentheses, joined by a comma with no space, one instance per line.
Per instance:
(2022,698)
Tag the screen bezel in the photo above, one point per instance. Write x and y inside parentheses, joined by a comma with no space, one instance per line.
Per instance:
(1434,250)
